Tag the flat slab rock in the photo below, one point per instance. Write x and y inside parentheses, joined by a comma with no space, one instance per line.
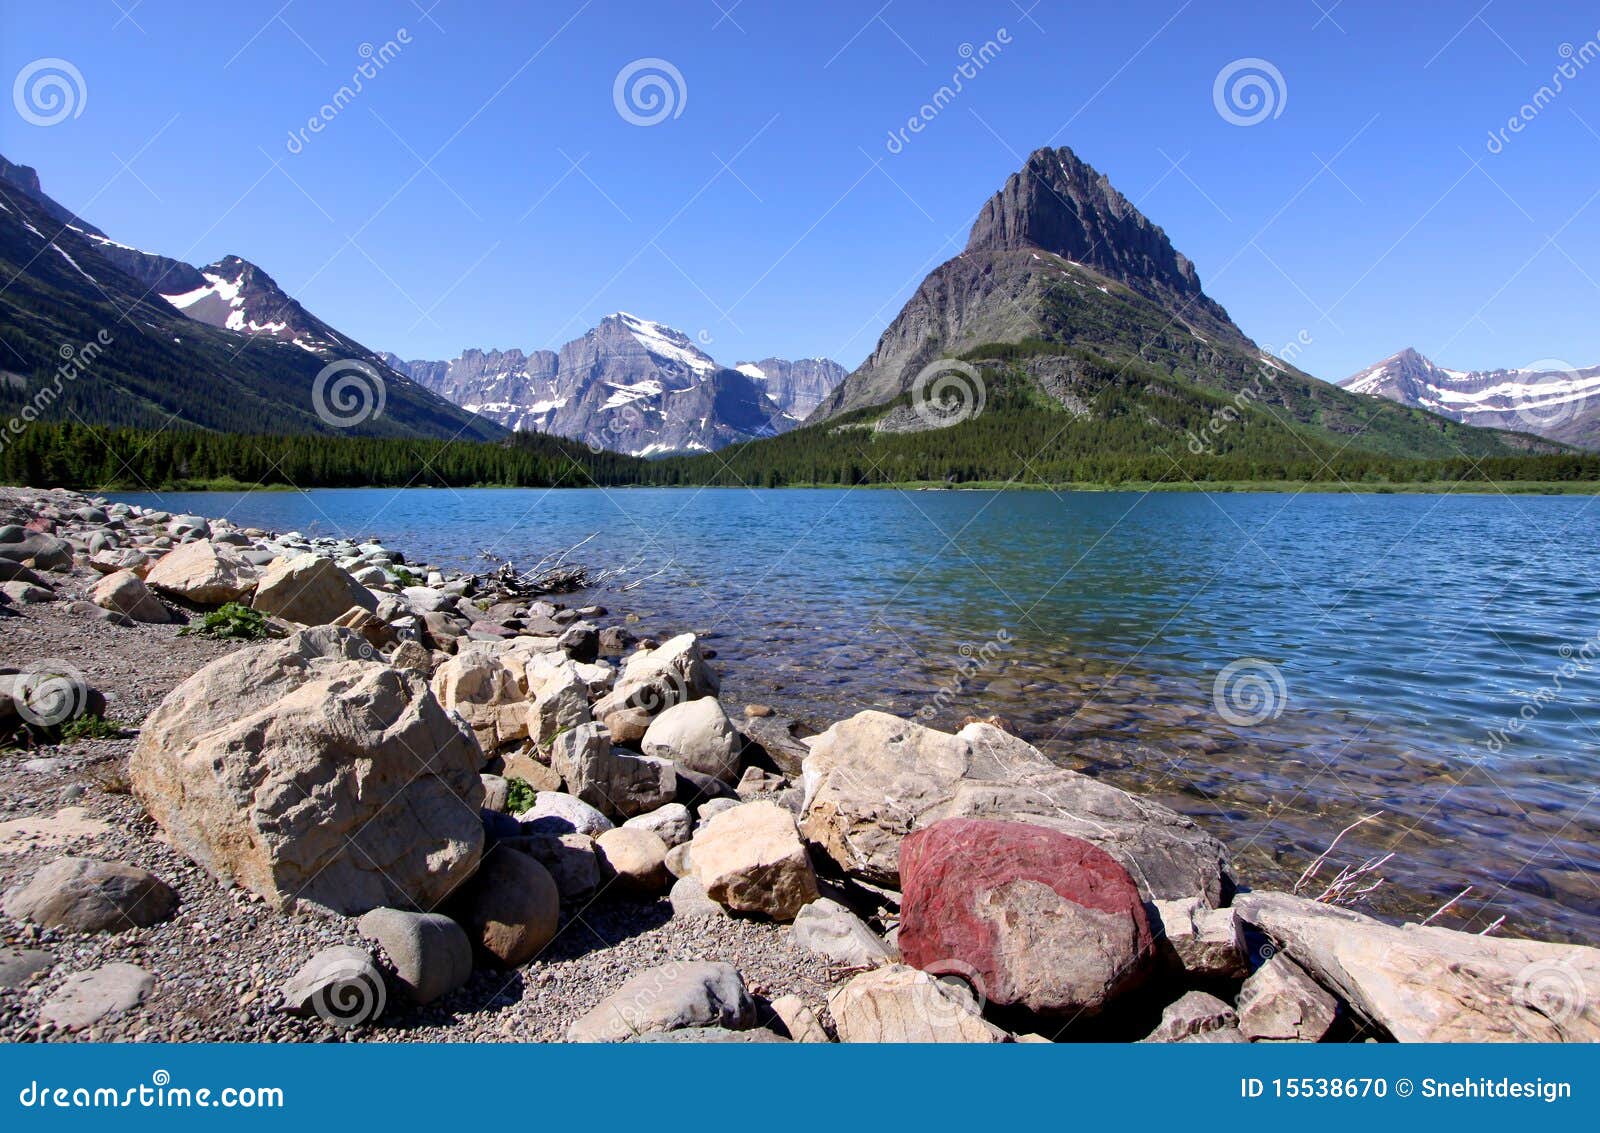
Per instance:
(1436,984)
(88,997)
(670,997)
(874,778)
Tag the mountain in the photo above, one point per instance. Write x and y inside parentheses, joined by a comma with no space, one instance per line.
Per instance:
(1068,300)
(101,332)
(796,387)
(632,386)
(1550,399)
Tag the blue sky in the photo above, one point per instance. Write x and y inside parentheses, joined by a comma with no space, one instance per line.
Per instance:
(768,215)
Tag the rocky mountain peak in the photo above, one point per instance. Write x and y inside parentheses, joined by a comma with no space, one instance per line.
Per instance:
(1059,203)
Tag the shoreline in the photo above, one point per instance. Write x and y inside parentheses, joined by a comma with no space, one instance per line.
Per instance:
(602,938)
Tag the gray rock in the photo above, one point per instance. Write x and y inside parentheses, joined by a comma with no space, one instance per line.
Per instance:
(672,996)
(1195,1014)
(571,859)
(833,931)
(689,900)
(672,823)
(615,782)
(89,997)
(555,812)
(697,735)
(1280,1003)
(339,985)
(430,952)
(1206,943)
(19,965)
(711,1035)
(83,895)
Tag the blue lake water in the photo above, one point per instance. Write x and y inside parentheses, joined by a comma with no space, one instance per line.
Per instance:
(1276,665)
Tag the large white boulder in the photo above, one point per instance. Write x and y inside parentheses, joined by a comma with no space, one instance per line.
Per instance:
(204,573)
(309,589)
(696,734)
(309,774)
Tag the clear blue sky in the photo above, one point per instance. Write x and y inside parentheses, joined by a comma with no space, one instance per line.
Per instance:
(800,245)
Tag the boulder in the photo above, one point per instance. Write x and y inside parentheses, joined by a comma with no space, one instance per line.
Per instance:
(750,859)
(799,1021)
(127,594)
(689,900)
(873,778)
(1196,1013)
(560,700)
(1280,1003)
(637,859)
(203,573)
(309,589)
(653,680)
(83,895)
(672,823)
(1046,921)
(571,858)
(39,550)
(339,985)
(490,696)
(378,633)
(897,1004)
(511,907)
(1436,984)
(89,997)
(430,953)
(669,997)
(308,773)
(18,966)
(1205,943)
(698,735)
(27,594)
(111,561)
(554,812)
(614,781)
(839,936)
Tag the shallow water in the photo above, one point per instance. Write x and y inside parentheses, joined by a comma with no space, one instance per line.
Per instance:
(1387,643)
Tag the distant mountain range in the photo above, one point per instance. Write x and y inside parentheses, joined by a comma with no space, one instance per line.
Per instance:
(1068,298)
(633,386)
(1549,398)
(214,347)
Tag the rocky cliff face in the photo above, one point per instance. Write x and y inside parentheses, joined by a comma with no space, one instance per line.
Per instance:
(631,385)
(1547,398)
(1057,228)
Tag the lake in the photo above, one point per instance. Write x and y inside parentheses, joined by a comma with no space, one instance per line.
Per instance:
(1275,665)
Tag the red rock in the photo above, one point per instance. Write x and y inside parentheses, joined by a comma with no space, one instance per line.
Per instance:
(1032,917)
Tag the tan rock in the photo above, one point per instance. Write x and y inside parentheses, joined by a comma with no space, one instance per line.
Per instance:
(309,589)
(637,858)
(897,1004)
(203,572)
(307,773)
(751,860)
(490,696)
(799,1020)
(1436,984)
(127,594)
(511,907)
(696,734)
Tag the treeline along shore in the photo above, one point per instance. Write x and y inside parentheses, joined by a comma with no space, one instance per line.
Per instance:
(261,786)
(104,458)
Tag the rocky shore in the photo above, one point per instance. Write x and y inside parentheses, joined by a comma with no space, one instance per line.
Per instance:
(258,786)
